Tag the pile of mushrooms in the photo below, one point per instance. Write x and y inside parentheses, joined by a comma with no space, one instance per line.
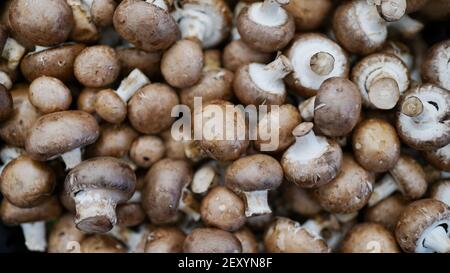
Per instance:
(355,93)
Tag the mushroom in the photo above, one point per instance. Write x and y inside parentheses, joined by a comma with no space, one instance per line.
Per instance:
(282,123)
(49,95)
(149,110)
(64,236)
(86,100)
(12,52)
(247,240)
(381,78)
(237,53)
(440,158)
(435,67)
(47,23)
(252,177)
(61,134)
(8,154)
(181,64)
(207,176)
(31,220)
(422,120)
(174,148)
(266,26)
(227,142)
(27,183)
(147,62)
(369,238)
(57,62)
(423,227)
(309,14)
(115,140)
(406,176)
(208,21)
(147,150)
(376,145)
(211,240)
(100,243)
(130,214)
(401,51)
(223,209)
(146,24)
(15,129)
(166,191)
(97,66)
(441,191)
(84,29)
(390,10)
(349,191)
(97,186)
(312,161)
(287,236)
(300,201)
(164,239)
(258,84)
(387,211)
(337,107)
(361,19)
(6,103)
(314,59)
(111,105)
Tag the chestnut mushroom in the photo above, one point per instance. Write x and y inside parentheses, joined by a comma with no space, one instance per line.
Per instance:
(147,150)
(64,237)
(131,58)
(164,239)
(441,191)
(12,51)
(6,103)
(435,66)
(115,140)
(309,14)
(49,95)
(248,240)
(369,238)
(100,243)
(86,100)
(440,158)
(211,240)
(387,211)
(9,153)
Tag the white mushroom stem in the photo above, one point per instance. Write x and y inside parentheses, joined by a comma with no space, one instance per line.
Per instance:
(322,63)
(95,203)
(420,112)
(384,188)
(9,153)
(346,217)
(160,3)
(195,24)
(203,179)
(135,80)
(306,109)
(13,53)
(5,80)
(384,93)
(270,77)
(256,203)
(189,205)
(137,197)
(35,236)
(315,227)
(437,240)
(309,146)
(72,158)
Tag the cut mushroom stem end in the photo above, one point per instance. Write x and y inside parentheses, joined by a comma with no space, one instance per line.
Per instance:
(384,93)
(135,80)
(438,240)
(72,158)
(189,205)
(35,236)
(412,107)
(256,203)
(322,63)
(383,189)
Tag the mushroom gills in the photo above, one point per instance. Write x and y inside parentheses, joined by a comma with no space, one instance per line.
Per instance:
(269,13)
(270,77)
(35,236)
(435,238)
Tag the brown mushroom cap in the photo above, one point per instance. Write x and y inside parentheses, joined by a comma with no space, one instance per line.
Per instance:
(145,25)
(182,64)
(416,219)
(164,240)
(211,240)
(248,240)
(55,62)
(130,214)
(254,173)
(3,37)
(86,100)
(146,150)
(409,177)
(349,191)
(102,12)
(287,236)
(435,66)
(369,238)
(149,110)
(27,183)
(110,107)
(376,145)
(6,103)
(337,107)
(43,22)
(309,14)
(102,244)
(387,212)
(265,38)
(97,66)
(223,209)
(63,235)
(215,84)
(115,140)
(237,53)
(166,180)
(147,62)
(440,158)
(49,95)
(174,148)
(300,200)
(15,130)
(441,191)
(57,133)
(12,215)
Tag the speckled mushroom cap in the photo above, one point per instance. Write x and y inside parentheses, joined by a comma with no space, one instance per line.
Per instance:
(377,66)
(12,215)
(165,239)
(358,27)
(100,243)
(349,191)
(6,103)
(287,236)
(238,53)
(62,233)
(57,133)
(53,62)
(214,16)
(211,240)
(41,22)
(440,158)
(387,211)
(166,180)
(145,25)
(369,238)
(417,219)
(49,95)
(435,68)
(254,173)
(304,80)
(114,140)
(432,132)
(409,177)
